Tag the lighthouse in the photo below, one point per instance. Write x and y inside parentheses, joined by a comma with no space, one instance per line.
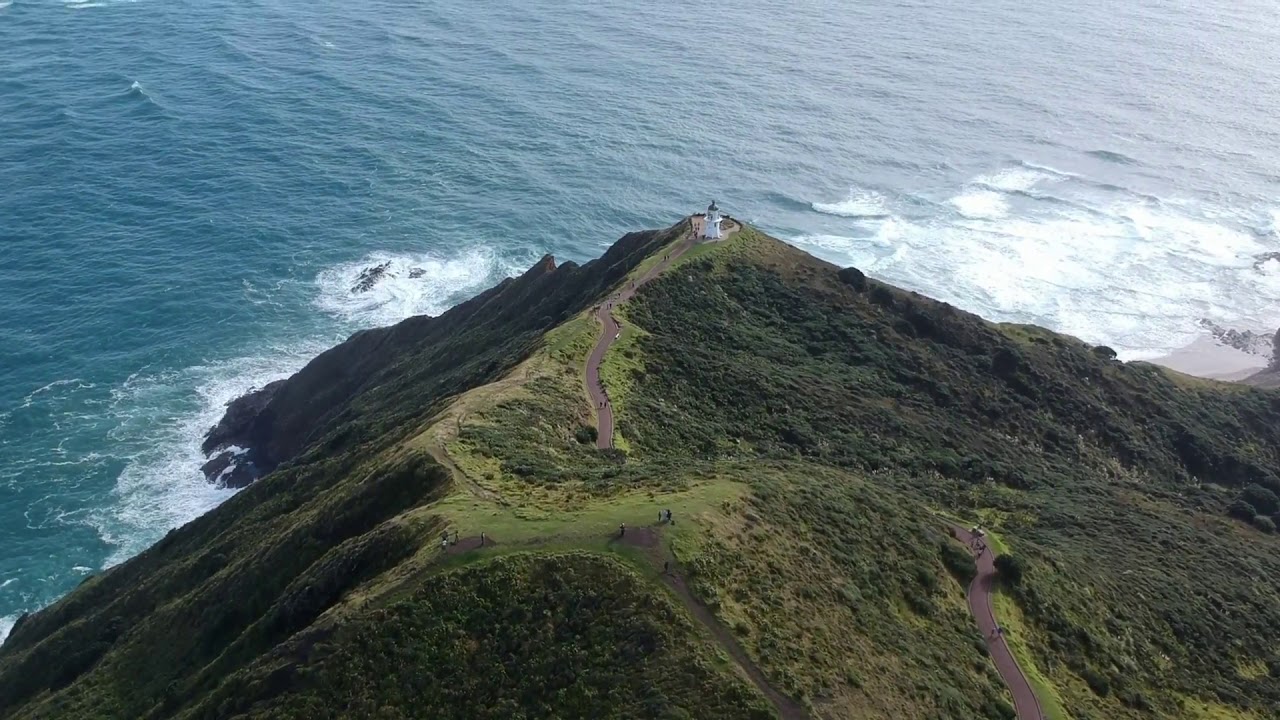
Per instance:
(711,228)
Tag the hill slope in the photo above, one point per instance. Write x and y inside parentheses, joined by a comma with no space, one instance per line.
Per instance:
(812,432)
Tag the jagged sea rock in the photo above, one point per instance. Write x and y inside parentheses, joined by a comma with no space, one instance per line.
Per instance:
(241,427)
(1260,260)
(415,273)
(370,277)
(230,468)
(273,424)
(1243,340)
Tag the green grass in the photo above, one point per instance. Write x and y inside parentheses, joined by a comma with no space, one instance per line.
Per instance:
(764,351)
(591,525)
(622,364)
(799,423)
(604,643)
(1010,617)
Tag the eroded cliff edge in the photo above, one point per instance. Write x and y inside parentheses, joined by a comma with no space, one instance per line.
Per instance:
(366,386)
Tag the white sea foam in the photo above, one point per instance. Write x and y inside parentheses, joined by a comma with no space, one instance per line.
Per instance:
(859,203)
(442,282)
(1019,179)
(6,624)
(5,3)
(981,204)
(1109,267)
(161,417)
(161,485)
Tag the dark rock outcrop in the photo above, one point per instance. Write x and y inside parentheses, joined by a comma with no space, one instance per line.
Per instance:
(230,468)
(1243,340)
(370,277)
(415,273)
(244,425)
(1270,377)
(1261,260)
(381,380)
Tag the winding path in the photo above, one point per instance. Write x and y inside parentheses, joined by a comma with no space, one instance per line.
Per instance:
(1025,702)
(612,331)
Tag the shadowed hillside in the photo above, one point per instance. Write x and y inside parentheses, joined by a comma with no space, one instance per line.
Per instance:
(813,432)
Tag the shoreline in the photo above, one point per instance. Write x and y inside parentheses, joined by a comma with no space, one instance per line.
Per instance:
(1205,357)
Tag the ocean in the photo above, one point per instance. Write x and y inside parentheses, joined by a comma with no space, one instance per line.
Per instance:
(189,190)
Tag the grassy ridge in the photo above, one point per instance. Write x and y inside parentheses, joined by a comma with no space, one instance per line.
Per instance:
(564,635)
(762,351)
(801,422)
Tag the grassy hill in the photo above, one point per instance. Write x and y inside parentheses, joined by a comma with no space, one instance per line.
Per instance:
(811,430)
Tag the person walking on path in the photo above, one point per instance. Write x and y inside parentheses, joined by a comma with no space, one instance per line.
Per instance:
(1026,704)
(622,530)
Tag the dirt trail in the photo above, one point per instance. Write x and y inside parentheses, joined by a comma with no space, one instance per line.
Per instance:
(788,709)
(612,330)
(438,452)
(1025,702)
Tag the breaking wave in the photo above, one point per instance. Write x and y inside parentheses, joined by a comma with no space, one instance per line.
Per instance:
(409,284)
(859,204)
(1030,244)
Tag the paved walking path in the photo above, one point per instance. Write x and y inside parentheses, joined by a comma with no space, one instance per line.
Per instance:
(1025,702)
(612,330)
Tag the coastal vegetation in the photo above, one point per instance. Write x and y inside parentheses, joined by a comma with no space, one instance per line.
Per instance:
(808,427)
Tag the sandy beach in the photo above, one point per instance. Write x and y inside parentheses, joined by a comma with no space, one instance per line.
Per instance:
(1208,358)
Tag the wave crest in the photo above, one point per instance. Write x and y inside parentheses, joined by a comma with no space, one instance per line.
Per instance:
(1110,266)
(407,285)
(859,204)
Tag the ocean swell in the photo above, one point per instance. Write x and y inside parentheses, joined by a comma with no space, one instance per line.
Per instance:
(1109,266)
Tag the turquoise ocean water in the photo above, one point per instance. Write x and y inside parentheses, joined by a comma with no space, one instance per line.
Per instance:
(189,189)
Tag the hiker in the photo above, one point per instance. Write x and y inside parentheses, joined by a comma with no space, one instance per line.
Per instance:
(444,545)
(622,529)
(666,566)
(455,537)
(481,539)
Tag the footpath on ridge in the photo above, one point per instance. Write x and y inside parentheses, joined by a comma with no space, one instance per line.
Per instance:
(612,331)
(1025,702)
(787,708)
(647,538)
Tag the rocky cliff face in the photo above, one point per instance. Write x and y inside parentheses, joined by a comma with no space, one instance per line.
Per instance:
(379,379)
(1242,340)
(1269,378)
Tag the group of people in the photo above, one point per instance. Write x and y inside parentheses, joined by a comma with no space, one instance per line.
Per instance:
(445,542)
(976,543)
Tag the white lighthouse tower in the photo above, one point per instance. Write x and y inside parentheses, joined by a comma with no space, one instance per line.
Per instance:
(711,227)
